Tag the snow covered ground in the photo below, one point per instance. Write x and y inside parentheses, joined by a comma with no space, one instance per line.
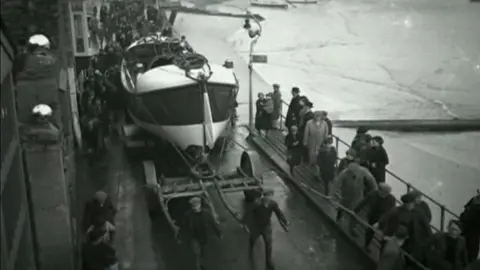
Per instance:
(372,59)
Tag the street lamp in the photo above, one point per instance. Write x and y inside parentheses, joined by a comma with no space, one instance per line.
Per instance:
(254,34)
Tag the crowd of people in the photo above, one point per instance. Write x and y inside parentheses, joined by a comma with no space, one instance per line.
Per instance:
(115,25)
(360,182)
(98,252)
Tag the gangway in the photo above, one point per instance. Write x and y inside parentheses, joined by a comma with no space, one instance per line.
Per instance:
(445,213)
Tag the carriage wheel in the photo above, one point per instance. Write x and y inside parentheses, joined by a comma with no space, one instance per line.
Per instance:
(248,167)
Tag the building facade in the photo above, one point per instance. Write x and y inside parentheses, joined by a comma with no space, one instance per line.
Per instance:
(17,243)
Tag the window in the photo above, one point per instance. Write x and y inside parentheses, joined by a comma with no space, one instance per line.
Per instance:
(78,28)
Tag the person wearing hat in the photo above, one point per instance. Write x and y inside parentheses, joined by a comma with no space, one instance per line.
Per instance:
(392,257)
(316,132)
(360,138)
(294,107)
(377,203)
(447,250)
(98,208)
(352,183)
(421,206)
(344,162)
(293,141)
(378,159)
(328,121)
(305,114)
(97,253)
(194,229)
(277,106)
(470,219)
(258,220)
(405,215)
(327,158)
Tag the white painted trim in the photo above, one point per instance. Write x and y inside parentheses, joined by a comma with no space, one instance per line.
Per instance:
(171,76)
(184,136)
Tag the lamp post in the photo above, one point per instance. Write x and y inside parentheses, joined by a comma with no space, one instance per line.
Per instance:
(254,34)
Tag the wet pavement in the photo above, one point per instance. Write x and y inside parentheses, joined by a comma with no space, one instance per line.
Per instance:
(310,243)
(144,241)
(356,63)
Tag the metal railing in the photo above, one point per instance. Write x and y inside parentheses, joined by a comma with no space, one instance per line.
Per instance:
(355,224)
(444,213)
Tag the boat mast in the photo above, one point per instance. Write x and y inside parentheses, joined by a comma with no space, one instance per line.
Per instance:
(203,90)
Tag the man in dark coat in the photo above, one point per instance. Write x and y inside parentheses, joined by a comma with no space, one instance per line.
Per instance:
(392,257)
(293,112)
(470,219)
(293,142)
(447,251)
(327,158)
(344,162)
(422,206)
(259,222)
(377,203)
(405,215)
(98,254)
(100,207)
(194,230)
(378,159)
(328,121)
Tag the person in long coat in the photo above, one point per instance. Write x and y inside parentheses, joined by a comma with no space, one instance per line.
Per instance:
(293,141)
(392,257)
(316,131)
(260,113)
(405,215)
(378,159)
(277,106)
(447,250)
(327,158)
(328,121)
(470,219)
(294,107)
(351,183)
(268,108)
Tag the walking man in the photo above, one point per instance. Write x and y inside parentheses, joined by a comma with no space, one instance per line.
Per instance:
(193,230)
(260,224)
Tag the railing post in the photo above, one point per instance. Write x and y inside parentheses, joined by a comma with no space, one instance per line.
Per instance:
(442,218)
(280,125)
(336,142)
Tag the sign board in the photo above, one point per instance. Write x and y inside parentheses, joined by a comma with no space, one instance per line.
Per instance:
(259,58)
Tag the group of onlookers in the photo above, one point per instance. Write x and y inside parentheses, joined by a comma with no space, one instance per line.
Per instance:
(359,180)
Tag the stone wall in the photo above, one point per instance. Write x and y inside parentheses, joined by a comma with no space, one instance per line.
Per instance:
(43,78)
(26,17)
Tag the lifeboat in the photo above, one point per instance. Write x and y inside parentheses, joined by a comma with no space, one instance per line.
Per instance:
(187,102)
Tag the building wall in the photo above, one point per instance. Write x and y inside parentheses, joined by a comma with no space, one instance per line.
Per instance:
(33,196)
(17,245)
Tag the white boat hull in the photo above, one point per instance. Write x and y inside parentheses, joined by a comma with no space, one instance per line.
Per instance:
(185,136)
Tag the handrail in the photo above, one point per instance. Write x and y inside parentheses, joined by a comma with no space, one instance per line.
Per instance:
(409,187)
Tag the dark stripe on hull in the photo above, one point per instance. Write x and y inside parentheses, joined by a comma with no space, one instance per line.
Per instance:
(181,106)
